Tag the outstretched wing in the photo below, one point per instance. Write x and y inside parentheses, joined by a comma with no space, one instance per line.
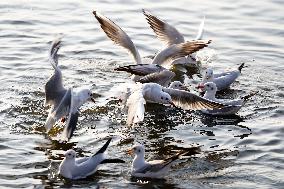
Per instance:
(117,35)
(141,69)
(176,51)
(199,35)
(54,86)
(163,78)
(190,101)
(165,32)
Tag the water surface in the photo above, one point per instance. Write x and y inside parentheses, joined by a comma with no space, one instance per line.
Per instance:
(243,151)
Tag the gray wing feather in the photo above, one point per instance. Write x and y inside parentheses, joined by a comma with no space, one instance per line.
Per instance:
(225,81)
(163,78)
(190,101)
(165,32)
(152,168)
(87,167)
(141,69)
(117,35)
(179,50)
(54,86)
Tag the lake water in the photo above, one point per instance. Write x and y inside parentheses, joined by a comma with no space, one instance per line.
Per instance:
(243,151)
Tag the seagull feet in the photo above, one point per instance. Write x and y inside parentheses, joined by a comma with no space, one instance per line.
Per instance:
(63,119)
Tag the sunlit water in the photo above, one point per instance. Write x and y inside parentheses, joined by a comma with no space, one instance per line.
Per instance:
(243,151)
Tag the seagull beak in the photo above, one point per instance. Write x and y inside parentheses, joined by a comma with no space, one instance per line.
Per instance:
(200,86)
(130,151)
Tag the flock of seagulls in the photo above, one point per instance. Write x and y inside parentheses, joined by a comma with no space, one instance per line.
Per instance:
(150,83)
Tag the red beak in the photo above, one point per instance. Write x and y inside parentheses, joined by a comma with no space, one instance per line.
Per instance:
(200,86)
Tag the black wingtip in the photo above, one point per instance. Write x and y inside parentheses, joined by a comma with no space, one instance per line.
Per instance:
(95,13)
(241,67)
(103,149)
(246,97)
(112,161)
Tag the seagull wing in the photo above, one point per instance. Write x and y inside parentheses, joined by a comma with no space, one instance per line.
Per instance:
(54,86)
(200,30)
(117,35)
(136,107)
(190,101)
(165,32)
(225,81)
(141,69)
(162,78)
(176,51)
(59,111)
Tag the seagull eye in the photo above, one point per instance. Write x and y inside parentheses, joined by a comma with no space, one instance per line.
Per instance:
(139,150)
(212,88)
(162,98)
(167,99)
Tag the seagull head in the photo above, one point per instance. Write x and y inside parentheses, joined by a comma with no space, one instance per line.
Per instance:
(86,94)
(165,98)
(70,154)
(178,85)
(137,149)
(208,74)
(210,87)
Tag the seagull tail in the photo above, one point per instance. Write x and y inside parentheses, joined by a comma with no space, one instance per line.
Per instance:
(103,149)
(112,161)
(241,67)
(246,97)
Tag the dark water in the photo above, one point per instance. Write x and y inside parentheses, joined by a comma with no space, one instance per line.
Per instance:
(243,151)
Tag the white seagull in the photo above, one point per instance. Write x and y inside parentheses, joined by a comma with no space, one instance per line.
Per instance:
(155,93)
(222,80)
(232,106)
(64,102)
(162,60)
(78,168)
(150,169)
(170,35)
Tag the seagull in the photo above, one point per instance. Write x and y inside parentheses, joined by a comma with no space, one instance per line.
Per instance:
(155,93)
(78,168)
(151,169)
(170,35)
(222,80)
(179,86)
(162,60)
(232,106)
(64,102)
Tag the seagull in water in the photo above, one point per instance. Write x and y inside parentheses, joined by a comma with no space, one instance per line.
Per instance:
(155,93)
(78,168)
(160,61)
(151,169)
(232,106)
(170,35)
(64,102)
(222,80)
